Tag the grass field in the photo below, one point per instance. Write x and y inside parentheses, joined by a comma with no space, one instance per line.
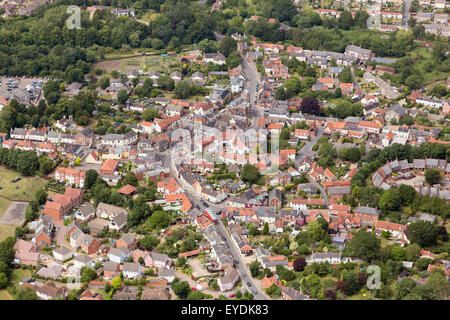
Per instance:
(5,230)
(149,16)
(129,62)
(27,186)
(423,56)
(4,295)
(19,274)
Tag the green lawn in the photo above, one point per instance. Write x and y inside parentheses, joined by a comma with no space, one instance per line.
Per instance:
(149,16)
(429,77)
(27,186)
(19,274)
(5,230)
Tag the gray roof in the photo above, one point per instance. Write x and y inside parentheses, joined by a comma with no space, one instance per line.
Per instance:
(131,267)
(367,210)
(83,258)
(86,209)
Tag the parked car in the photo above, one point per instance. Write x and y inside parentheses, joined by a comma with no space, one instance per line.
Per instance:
(231,295)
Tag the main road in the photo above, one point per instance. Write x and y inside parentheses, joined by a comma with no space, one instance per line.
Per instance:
(251,79)
(247,280)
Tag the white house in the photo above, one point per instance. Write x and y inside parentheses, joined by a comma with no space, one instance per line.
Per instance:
(331,257)
(82,260)
(118,255)
(132,270)
(62,253)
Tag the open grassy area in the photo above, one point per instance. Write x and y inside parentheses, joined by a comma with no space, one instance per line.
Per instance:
(27,186)
(5,230)
(19,274)
(423,56)
(4,295)
(149,16)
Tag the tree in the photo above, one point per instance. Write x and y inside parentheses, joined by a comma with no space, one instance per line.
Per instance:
(181,289)
(404,287)
(116,283)
(422,232)
(254,268)
(181,262)
(398,253)
(88,274)
(159,220)
(148,242)
(364,245)
(208,46)
(433,176)
(228,45)
(90,178)
(439,283)
(52,92)
(406,194)
(150,114)
(311,105)
(250,173)
(122,96)
(299,264)
(265,228)
(4,281)
(330,294)
(345,20)
(389,201)
(24,293)
(315,231)
(45,164)
(27,163)
(104,82)
(130,178)
(350,154)
(351,282)
(422,263)
(40,196)
(183,90)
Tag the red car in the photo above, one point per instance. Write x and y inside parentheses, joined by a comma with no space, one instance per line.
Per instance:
(194,289)
(231,295)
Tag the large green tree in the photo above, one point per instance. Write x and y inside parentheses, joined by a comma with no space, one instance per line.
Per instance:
(364,245)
